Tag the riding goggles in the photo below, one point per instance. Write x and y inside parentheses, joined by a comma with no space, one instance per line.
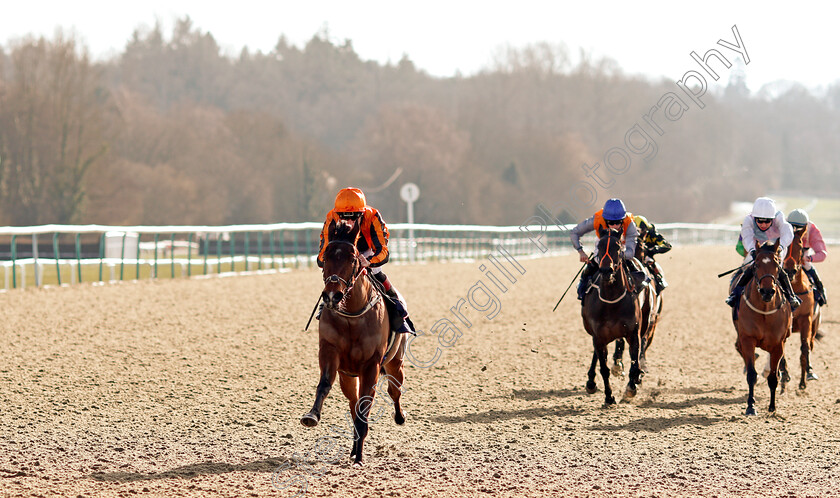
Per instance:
(764,221)
(349,216)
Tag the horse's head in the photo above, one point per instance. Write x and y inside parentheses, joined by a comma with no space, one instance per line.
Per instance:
(342,265)
(609,250)
(793,260)
(767,270)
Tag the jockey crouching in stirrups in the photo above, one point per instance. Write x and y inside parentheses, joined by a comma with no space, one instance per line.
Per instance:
(653,243)
(612,216)
(816,251)
(351,207)
(764,224)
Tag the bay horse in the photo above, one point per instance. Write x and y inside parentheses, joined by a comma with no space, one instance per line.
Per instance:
(806,318)
(353,338)
(651,311)
(763,320)
(611,310)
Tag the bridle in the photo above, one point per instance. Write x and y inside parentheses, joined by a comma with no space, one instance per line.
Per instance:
(776,287)
(348,285)
(615,267)
(359,270)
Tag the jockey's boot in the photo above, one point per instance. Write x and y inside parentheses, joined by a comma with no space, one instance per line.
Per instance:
(742,279)
(784,280)
(658,280)
(585,277)
(399,302)
(819,290)
(733,298)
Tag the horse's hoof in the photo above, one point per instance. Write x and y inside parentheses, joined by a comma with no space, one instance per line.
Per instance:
(811,376)
(591,387)
(629,394)
(399,418)
(618,369)
(358,463)
(750,411)
(609,402)
(309,420)
(785,377)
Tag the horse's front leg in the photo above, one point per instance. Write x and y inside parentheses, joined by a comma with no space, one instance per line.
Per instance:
(328,360)
(591,387)
(367,390)
(350,388)
(747,351)
(601,351)
(618,362)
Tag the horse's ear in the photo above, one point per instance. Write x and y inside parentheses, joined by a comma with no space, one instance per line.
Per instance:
(777,246)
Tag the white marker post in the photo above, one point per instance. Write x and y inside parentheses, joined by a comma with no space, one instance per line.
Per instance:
(410,193)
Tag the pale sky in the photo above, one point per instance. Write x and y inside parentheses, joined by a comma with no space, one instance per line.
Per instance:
(784,40)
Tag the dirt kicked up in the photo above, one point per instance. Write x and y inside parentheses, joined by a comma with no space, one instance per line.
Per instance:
(196,388)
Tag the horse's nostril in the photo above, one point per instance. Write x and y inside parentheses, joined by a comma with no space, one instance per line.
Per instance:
(337,297)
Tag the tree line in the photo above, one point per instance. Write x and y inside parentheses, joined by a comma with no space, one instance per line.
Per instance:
(172,131)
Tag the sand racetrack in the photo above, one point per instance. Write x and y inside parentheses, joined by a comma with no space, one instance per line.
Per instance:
(196,388)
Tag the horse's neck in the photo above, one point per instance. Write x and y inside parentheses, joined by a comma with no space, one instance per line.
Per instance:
(800,282)
(612,287)
(359,295)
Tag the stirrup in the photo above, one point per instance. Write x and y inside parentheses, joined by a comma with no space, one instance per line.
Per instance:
(794,302)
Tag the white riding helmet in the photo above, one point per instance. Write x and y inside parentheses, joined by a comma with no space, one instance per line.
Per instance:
(764,207)
(798,217)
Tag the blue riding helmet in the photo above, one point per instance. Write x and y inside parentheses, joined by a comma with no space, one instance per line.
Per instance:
(614,210)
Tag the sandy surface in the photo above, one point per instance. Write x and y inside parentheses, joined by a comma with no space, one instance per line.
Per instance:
(196,388)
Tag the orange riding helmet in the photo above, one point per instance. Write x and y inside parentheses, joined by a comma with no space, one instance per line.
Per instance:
(350,200)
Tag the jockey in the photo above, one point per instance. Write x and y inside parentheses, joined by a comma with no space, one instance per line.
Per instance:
(815,250)
(653,243)
(351,206)
(615,216)
(764,223)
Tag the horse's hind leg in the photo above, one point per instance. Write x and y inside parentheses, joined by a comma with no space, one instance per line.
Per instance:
(394,376)
(328,360)
(618,363)
(635,370)
(773,379)
(807,343)
(783,373)
(591,387)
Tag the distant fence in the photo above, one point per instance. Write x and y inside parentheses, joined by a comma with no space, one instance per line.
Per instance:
(67,254)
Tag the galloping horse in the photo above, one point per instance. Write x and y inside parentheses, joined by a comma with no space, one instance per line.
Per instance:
(806,318)
(763,320)
(353,338)
(651,311)
(611,311)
